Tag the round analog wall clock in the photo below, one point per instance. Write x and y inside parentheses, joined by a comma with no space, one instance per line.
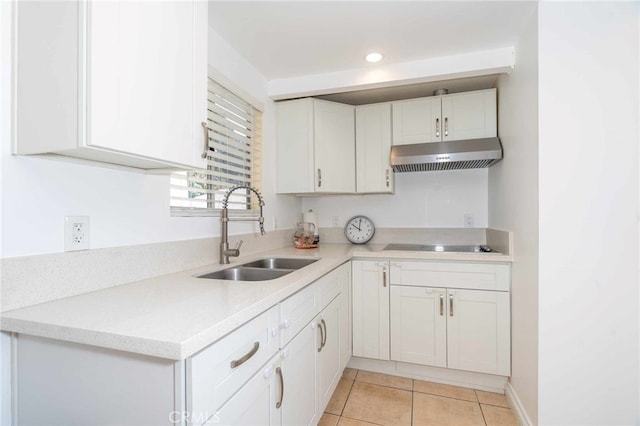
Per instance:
(359,229)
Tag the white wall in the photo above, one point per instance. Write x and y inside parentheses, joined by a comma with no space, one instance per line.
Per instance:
(589,206)
(423,199)
(513,206)
(125,207)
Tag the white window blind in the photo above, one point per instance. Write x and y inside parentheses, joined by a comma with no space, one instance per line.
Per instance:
(235,157)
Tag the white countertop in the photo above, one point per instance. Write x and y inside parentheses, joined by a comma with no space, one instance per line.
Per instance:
(174,316)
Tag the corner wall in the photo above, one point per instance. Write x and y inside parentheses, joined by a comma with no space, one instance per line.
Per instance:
(589,208)
(513,206)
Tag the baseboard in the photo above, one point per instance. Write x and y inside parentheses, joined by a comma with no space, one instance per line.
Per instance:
(467,379)
(516,406)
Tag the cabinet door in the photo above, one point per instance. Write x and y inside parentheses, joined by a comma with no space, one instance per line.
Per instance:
(254,404)
(370,309)
(470,115)
(334,147)
(328,357)
(419,325)
(143,86)
(298,370)
(295,171)
(417,121)
(345,314)
(373,145)
(478,331)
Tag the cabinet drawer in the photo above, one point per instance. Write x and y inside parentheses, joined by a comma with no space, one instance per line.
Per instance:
(329,286)
(474,276)
(218,371)
(297,311)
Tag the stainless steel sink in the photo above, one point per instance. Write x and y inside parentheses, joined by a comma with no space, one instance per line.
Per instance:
(259,270)
(240,273)
(280,263)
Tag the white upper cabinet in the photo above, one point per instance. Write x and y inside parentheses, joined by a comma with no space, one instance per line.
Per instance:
(469,115)
(373,146)
(118,82)
(417,121)
(315,147)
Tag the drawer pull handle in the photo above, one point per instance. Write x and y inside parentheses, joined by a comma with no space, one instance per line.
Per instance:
(321,336)
(451,305)
(205,149)
(441,304)
(238,362)
(446,126)
(384,276)
(437,127)
(326,334)
(279,373)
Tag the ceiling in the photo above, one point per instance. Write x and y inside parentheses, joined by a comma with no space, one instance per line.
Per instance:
(298,38)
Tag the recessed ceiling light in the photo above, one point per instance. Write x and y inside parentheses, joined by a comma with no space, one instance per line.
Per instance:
(374,57)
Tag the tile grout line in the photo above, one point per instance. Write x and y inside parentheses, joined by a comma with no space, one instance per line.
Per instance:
(360,420)
(450,397)
(353,383)
(481,410)
(413,394)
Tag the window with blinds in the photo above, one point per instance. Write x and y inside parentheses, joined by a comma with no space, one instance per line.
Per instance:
(235,151)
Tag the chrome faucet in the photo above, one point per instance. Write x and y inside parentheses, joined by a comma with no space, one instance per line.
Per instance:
(225,251)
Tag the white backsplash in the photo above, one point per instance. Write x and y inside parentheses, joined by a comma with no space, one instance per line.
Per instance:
(454,236)
(30,280)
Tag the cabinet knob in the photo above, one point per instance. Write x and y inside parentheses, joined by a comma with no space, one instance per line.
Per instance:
(268,371)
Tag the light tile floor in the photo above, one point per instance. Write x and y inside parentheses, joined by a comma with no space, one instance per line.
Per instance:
(364,398)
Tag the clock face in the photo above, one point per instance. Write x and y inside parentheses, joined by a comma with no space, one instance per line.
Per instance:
(359,229)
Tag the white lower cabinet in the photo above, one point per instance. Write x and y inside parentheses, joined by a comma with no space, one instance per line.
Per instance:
(478,331)
(344,314)
(328,370)
(296,385)
(370,309)
(254,404)
(460,328)
(294,388)
(418,325)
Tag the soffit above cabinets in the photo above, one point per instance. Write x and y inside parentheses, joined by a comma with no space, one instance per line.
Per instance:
(410,91)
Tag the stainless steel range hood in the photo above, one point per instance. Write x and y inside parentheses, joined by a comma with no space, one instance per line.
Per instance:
(453,155)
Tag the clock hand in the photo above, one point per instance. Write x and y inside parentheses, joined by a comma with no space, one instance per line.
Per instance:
(356,227)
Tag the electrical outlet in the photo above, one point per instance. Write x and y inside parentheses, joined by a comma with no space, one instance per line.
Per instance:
(76,233)
(468,220)
(334,221)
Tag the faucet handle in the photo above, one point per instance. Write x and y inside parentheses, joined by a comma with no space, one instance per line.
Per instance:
(239,244)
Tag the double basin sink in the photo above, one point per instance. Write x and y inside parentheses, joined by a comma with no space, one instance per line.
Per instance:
(259,270)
